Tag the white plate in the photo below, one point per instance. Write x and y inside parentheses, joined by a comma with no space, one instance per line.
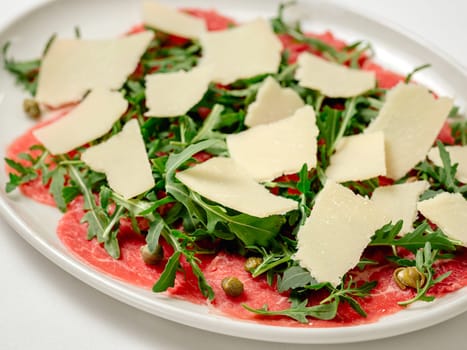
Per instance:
(36,223)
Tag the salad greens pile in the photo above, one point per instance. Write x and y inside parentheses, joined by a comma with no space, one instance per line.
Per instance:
(185,220)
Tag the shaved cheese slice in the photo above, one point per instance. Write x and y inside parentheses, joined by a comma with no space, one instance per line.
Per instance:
(332,79)
(357,158)
(91,119)
(399,202)
(272,103)
(411,118)
(223,181)
(174,94)
(71,67)
(271,150)
(458,155)
(124,161)
(337,231)
(242,52)
(449,212)
(172,21)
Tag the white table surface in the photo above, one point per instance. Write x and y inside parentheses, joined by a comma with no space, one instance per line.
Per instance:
(42,307)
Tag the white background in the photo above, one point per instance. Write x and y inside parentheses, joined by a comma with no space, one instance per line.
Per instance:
(42,307)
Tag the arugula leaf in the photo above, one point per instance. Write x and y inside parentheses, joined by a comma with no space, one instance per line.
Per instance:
(154,232)
(69,193)
(183,196)
(100,224)
(165,59)
(459,131)
(355,51)
(388,236)
(429,194)
(111,245)
(304,185)
(26,72)
(167,278)
(271,259)
(294,277)
(211,122)
(441,178)
(301,311)
(57,186)
(176,160)
(179,241)
(333,124)
(409,76)
(249,229)
(26,173)
(351,53)
(280,27)
(328,124)
(203,284)
(97,220)
(448,176)
(347,292)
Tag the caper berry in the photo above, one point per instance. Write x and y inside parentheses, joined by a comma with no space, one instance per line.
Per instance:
(232,286)
(152,258)
(252,263)
(31,108)
(409,277)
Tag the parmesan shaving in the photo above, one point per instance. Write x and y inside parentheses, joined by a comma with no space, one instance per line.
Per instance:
(241,52)
(332,79)
(411,118)
(399,202)
(124,161)
(174,94)
(71,67)
(172,21)
(272,103)
(357,158)
(271,150)
(337,231)
(91,119)
(449,212)
(223,181)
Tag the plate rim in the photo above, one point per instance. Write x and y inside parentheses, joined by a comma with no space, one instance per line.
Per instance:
(239,328)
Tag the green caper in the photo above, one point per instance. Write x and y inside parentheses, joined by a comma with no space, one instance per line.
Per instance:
(152,258)
(31,108)
(232,286)
(409,277)
(252,263)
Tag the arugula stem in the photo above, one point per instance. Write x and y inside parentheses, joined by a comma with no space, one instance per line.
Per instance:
(115,219)
(76,176)
(41,160)
(71,162)
(348,114)
(88,195)
(286,72)
(319,102)
(209,123)
(317,44)
(268,266)
(134,206)
(421,293)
